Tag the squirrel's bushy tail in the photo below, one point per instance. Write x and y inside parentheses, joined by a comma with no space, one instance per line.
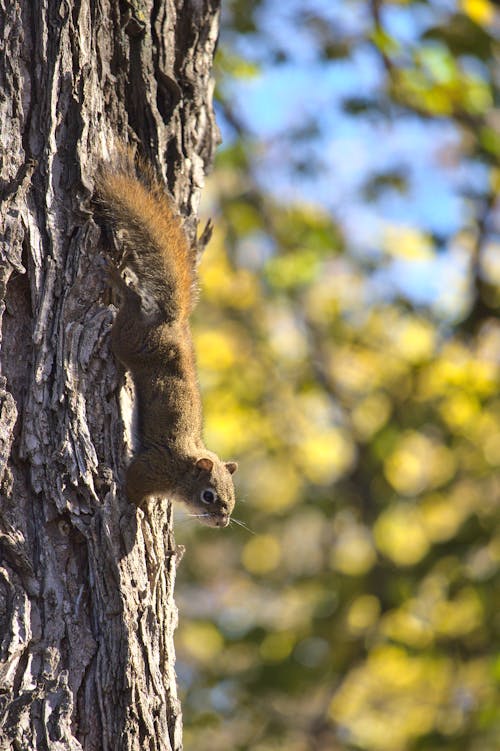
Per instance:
(155,245)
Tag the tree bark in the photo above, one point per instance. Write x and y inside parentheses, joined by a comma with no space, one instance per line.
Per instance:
(86,581)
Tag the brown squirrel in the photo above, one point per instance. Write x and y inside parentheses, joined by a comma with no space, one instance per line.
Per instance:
(152,338)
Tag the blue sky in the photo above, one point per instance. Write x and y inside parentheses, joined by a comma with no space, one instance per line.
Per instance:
(346,148)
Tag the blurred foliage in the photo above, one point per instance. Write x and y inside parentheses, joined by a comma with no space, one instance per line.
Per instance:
(362,609)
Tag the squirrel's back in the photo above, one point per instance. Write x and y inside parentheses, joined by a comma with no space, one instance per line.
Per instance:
(155,245)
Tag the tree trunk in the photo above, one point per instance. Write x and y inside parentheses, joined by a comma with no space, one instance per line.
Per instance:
(86,581)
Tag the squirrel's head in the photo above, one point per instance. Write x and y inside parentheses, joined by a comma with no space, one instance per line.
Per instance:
(208,489)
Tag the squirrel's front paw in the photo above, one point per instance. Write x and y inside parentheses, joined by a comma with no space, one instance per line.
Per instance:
(138,484)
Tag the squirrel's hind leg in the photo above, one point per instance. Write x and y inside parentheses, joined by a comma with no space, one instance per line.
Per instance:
(130,328)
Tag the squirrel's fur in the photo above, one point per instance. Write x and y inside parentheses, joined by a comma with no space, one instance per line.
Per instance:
(152,338)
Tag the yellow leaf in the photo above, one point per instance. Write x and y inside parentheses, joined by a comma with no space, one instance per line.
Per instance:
(408,243)
(400,534)
(408,627)
(353,553)
(277,647)
(415,339)
(276,484)
(326,455)
(481,11)
(443,515)
(363,613)
(371,414)
(459,410)
(261,554)
(216,350)
(419,463)
(201,640)
(454,618)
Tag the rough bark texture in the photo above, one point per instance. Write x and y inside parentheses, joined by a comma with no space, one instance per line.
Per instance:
(86,581)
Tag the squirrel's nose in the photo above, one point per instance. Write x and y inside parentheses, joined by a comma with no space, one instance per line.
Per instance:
(222,521)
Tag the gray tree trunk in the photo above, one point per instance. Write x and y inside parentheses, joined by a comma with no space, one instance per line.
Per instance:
(86,581)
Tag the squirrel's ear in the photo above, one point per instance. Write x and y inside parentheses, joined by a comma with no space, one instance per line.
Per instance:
(231,467)
(205,463)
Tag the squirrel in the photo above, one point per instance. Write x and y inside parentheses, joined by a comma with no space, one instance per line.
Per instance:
(151,336)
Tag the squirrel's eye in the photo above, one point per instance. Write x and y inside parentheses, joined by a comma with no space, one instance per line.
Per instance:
(208,496)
